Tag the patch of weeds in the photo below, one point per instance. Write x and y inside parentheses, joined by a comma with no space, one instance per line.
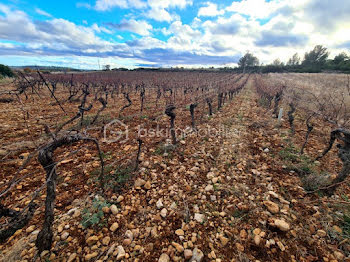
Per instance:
(144,117)
(301,164)
(87,121)
(205,139)
(120,177)
(239,213)
(314,181)
(94,216)
(164,148)
(264,102)
(289,153)
(240,117)
(215,186)
(107,155)
(305,168)
(96,172)
(346,225)
(126,118)
(115,178)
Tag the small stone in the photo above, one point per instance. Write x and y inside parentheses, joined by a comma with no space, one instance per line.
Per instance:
(120,199)
(223,240)
(44,253)
(199,217)
(59,228)
(239,247)
(164,212)
(197,255)
(147,185)
(3,152)
(106,210)
(121,252)
(179,232)
(139,182)
(257,231)
(77,213)
(338,255)
(159,203)
(281,246)
(129,234)
(30,229)
(282,225)
(257,240)
(243,234)
(106,240)
(114,227)
(64,236)
(92,240)
(178,247)
(188,254)
(338,229)
(183,142)
(72,257)
(90,256)
(321,233)
(209,188)
(164,258)
(114,209)
(272,207)
(127,242)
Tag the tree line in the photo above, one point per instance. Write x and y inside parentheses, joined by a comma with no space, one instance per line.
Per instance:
(315,61)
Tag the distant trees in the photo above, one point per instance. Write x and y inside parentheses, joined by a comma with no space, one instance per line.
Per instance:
(106,67)
(277,62)
(5,71)
(341,58)
(248,60)
(340,62)
(316,60)
(294,60)
(316,57)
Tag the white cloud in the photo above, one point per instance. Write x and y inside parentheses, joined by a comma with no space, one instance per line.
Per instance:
(42,12)
(210,10)
(169,3)
(106,5)
(159,14)
(55,34)
(138,27)
(159,9)
(255,8)
(100,29)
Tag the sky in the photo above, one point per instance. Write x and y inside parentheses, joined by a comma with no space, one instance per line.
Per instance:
(89,34)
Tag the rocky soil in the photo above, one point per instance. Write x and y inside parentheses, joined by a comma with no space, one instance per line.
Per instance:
(224,197)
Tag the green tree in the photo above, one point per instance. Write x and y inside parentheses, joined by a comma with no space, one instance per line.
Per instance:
(277,62)
(5,71)
(316,57)
(294,60)
(340,58)
(248,60)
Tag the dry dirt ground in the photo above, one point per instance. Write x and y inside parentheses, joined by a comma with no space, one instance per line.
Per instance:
(227,197)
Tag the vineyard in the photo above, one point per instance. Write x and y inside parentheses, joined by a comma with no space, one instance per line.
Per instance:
(175,166)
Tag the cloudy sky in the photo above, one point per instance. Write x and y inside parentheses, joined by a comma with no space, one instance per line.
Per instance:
(131,33)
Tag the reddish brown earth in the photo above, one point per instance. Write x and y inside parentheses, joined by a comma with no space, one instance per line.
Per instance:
(253,205)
